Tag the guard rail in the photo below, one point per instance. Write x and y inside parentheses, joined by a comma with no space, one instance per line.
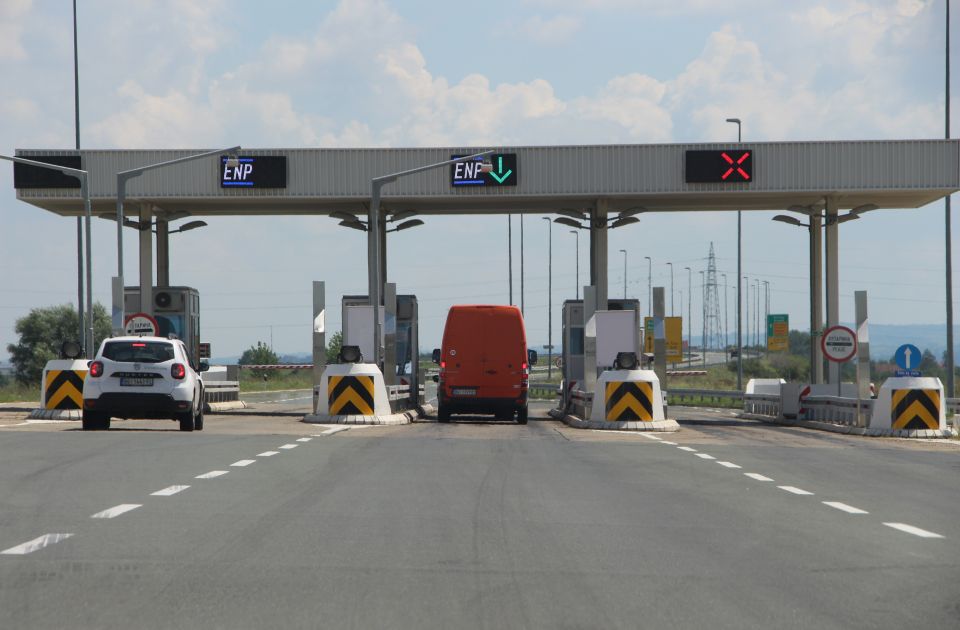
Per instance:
(838,410)
(221,391)
(676,396)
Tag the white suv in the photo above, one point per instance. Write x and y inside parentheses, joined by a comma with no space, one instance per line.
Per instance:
(142,377)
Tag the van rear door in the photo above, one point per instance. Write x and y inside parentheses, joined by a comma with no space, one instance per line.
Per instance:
(463,351)
(504,353)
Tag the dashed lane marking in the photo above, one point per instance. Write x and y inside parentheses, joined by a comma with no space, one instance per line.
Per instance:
(651,437)
(843,507)
(117,510)
(289,446)
(687,449)
(795,490)
(705,456)
(268,453)
(35,545)
(212,474)
(729,465)
(916,531)
(335,430)
(169,491)
(668,443)
(758,477)
(305,439)
(244,462)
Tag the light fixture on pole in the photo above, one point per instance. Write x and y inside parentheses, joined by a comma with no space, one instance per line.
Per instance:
(549,296)
(83,176)
(573,218)
(737,122)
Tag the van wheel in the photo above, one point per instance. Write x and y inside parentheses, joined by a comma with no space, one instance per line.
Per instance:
(186,421)
(443,414)
(522,415)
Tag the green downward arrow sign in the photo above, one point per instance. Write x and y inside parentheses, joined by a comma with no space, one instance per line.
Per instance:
(500,176)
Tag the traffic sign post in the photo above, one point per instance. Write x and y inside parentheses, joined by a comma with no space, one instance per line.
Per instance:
(839,344)
(908,358)
(141,324)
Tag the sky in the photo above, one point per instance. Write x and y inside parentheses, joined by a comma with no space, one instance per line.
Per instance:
(181,74)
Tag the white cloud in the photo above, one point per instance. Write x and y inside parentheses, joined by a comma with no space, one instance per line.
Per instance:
(13,14)
(635,103)
(556,30)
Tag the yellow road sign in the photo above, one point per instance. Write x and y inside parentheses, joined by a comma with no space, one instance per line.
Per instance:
(673,333)
(63,389)
(350,395)
(915,408)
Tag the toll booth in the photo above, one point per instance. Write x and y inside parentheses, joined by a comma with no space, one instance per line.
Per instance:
(573,340)
(400,336)
(177,311)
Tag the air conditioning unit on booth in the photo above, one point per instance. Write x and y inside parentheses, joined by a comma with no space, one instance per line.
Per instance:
(176,309)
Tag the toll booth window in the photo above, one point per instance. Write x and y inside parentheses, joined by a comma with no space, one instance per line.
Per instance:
(576,340)
(138,351)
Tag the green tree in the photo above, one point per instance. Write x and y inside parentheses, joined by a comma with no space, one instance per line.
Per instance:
(333,347)
(799,343)
(43,331)
(260,354)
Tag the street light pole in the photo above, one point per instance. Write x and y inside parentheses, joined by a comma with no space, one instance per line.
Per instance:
(577,234)
(746,281)
(739,271)
(649,286)
(948,248)
(672,313)
(549,297)
(689,314)
(703,318)
(624,273)
(522,303)
(510,255)
(726,317)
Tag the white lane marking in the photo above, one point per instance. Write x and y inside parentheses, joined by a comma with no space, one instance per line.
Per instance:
(668,443)
(35,545)
(305,439)
(116,510)
(335,430)
(651,437)
(268,453)
(916,531)
(289,446)
(212,474)
(795,490)
(729,465)
(843,507)
(244,462)
(687,448)
(168,492)
(705,456)
(758,477)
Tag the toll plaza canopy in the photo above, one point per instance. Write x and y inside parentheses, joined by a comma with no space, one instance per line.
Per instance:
(666,177)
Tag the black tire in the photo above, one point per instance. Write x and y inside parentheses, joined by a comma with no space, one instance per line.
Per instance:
(522,415)
(95,421)
(443,414)
(198,419)
(186,421)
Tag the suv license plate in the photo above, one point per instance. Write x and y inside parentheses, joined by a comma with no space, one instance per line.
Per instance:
(136,382)
(464,391)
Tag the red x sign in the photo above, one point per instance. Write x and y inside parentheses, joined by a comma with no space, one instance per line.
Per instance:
(736,166)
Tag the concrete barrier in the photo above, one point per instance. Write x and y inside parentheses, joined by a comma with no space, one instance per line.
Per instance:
(355,393)
(910,404)
(61,390)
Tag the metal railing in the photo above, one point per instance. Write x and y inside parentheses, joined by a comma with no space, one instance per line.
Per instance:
(762,404)
(221,391)
(676,396)
(838,410)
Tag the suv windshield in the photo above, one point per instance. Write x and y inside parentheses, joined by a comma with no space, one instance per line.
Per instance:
(138,351)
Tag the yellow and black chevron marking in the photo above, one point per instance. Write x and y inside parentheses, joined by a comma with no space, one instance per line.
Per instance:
(629,401)
(350,395)
(915,408)
(63,389)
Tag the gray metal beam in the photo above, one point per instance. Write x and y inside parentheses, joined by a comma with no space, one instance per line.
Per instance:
(146,259)
(833,278)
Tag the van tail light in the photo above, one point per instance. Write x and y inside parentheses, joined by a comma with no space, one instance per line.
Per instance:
(96,369)
(178,371)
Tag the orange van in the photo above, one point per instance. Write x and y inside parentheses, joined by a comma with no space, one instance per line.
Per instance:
(484,363)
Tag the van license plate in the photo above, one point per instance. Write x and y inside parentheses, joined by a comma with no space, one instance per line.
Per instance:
(464,391)
(136,382)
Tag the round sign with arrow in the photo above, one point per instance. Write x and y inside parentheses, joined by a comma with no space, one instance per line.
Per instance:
(141,324)
(839,344)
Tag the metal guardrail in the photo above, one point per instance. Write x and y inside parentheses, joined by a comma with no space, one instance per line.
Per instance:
(543,389)
(762,404)
(838,410)
(953,405)
(679,395)
(221,391)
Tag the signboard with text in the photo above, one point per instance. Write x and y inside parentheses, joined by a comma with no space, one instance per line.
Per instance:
(673,335)
(778,333)
(839,344)
(260,171)
(498,169)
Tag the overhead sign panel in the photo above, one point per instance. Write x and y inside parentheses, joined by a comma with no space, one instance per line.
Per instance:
(27,176)
(731,166)
(259,171)
(498,169)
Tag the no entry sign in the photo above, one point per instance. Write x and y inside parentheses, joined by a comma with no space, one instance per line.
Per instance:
(141,324)
(839,344)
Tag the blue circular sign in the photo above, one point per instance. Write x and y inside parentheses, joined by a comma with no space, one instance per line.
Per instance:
(907,357)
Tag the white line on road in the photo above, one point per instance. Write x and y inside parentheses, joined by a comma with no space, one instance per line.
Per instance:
(335,430)
(650,437)
(668,443)
(244,462)
(168,492)
(116,510)
(843,507)
(35,545)
(687,448)
(795,490)
(705,456)
(268,453)
(212,474)
(289,446)
(728,465)
(910,529)
(758,477)
(305,439)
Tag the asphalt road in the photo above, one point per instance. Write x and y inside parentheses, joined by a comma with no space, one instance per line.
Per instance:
(473,524)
